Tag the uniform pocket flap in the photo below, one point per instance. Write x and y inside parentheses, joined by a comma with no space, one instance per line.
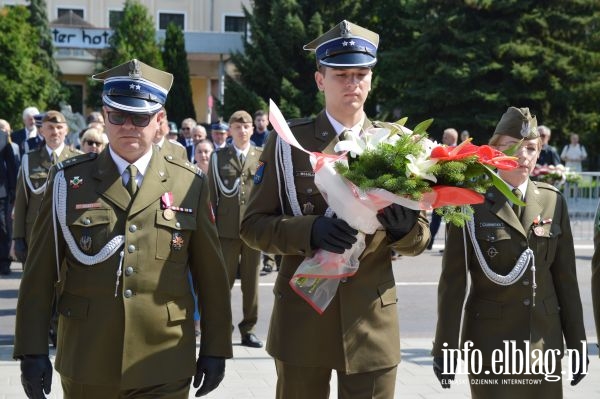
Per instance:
(483,309)
(73,306)
(387,293)
(177,312)
(176,220)
(551,305)
(88,218)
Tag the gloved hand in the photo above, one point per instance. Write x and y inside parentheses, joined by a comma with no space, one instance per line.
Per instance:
(397,220)
(438,369)
(211,369)
(20,249)
(333,235)
(577,368)
(36,375)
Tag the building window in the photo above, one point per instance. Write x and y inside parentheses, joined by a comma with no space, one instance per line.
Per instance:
(64,11)
(165,18)
(114,17)
(235,24)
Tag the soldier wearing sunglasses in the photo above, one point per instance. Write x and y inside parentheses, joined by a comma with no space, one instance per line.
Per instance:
(128,225)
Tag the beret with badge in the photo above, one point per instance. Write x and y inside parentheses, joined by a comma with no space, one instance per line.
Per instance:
(240,117)
(347,45)
(135,87)
(518,123)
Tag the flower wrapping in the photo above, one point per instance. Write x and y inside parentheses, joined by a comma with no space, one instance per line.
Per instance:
(317,278)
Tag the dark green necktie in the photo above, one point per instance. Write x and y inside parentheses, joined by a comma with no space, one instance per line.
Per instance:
(132,182)
(518,209)
(54,157)
(242,158)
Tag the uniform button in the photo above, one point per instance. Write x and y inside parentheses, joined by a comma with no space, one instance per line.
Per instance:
(178,225)
(526,302)
(128,293)
(169,157)
(131,248)
(128,271)
(133,228)
(525,282)
(87,222)
(68,312)
(309,190)
(344,279)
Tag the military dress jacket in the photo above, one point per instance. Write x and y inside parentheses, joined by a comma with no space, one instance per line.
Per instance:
(229,209)
(130,321)
(358,332)
(493,312)
(596,272)
(173,147)
(32,177)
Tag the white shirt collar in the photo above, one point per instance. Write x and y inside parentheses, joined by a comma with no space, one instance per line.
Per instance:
(141,164)
(522,187)
(58,151)
(161,142)
(339,128)
(238,151)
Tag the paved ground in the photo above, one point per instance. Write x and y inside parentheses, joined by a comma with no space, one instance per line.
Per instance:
(251,373)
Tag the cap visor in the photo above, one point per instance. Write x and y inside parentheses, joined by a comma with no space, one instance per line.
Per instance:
(349,60)
(132,104)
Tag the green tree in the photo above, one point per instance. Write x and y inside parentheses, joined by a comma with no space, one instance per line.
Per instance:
(463,62)
(133,37)
(38,19)
(24,81)
(181,105)
(274,64)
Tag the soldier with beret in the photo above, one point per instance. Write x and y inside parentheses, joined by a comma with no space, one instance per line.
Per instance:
(126,226)
(357,335)
(230,174)
(521,264)
(33,176)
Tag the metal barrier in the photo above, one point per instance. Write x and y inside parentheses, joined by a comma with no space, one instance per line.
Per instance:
(582,201)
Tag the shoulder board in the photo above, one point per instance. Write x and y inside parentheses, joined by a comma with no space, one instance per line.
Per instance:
(258,149)
(546,186)
(185,164)
(299,121)
(176,143)
(77,159)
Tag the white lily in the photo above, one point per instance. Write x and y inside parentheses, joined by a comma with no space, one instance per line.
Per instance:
(419,167)
(368,141)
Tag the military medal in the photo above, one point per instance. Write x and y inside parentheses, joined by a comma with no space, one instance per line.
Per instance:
(166,200)
(168,214)
(85,242)
(308,208)
(538,231)
(76,182)
(177,241)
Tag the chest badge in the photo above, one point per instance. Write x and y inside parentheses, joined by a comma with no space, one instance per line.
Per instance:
(168,214)
(76,182)
(308,208)
(492,252)
(85,243)
(177,241)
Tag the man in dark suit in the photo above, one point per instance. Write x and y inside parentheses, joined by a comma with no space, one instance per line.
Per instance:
(29,130)
(8,177)
(185,137)
(127,226)
(230,175)
(358,334)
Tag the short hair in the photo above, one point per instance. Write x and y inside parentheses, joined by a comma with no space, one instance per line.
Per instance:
(30,111)
(192,121)
(206,141)
(542,129)
(258,113)
(92,133)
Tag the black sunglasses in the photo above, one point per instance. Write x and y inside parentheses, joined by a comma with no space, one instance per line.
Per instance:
(119,118)
(93,143)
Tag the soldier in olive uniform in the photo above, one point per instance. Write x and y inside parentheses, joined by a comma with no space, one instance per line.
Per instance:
(128,225)
(165,145)
(596,273)
(521,263)
(357,335)
(230,175)
(33,175)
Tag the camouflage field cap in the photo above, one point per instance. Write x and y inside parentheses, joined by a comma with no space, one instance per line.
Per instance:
(135,87)
(346,46)
(518,123)
(241,117)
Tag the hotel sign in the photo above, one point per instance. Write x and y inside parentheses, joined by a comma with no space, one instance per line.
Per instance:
(90,38)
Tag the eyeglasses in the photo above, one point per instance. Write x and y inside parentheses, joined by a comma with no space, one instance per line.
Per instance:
(185,128)
(93,143)
(119,118)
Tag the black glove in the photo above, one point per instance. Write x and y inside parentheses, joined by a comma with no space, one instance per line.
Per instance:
(438,369)
(210,369)
(36,375)
(20,249)
(333,235)
(577,368)
(397,220)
